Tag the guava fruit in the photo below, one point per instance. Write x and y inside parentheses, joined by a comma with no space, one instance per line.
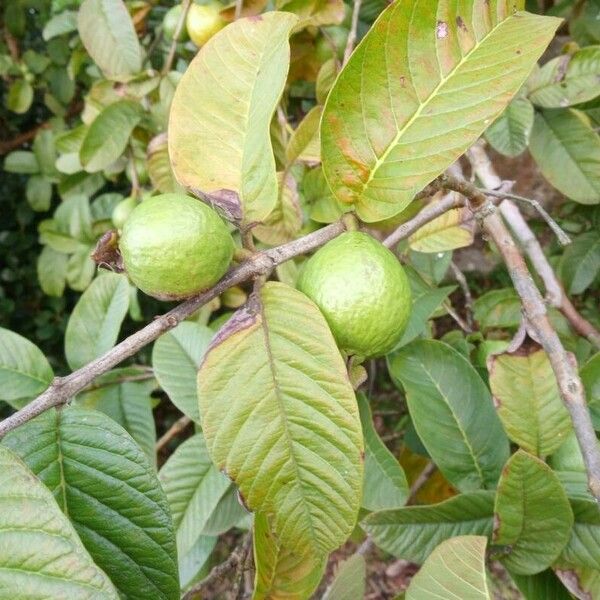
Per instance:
(170,25)
(362,291)
(203,21)
(175,246)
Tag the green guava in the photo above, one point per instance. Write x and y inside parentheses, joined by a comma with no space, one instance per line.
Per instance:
(175,246)
(170,23)
(362,291)
(203,21)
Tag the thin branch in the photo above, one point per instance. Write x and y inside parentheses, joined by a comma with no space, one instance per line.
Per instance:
(447,305)
(464,286)
(185,7)
(353,29)
(569,383)
(172,432)
(420,481)
(237,557)
(239,5)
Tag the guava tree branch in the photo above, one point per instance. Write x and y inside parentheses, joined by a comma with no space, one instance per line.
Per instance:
(353,30)
(172,432)
(185,7)
(569,383)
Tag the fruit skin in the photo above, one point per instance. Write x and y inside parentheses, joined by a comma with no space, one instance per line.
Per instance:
(121,212)
(170,25)
(362,290)
(174,246)
(203,21)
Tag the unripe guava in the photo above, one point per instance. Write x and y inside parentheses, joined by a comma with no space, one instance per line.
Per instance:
(174,246)
(170,25)
(362,291)
(203,21)
(122,211)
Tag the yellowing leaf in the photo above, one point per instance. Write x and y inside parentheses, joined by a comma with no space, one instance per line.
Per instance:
(420,88)
(219,140)
(305,143)
(315,12)
(280,418)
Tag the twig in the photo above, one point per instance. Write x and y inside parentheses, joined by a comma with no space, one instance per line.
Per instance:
(235,558)
(63,388)
(239,5)
(447,305)
(569,383)
(172,432)
(352,34)
(420,481)
(464,286)
(185,7)
(555,294)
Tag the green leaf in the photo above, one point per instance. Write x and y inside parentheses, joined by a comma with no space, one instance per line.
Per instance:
(590,377)
(38,193)
(350,580)
(567,79)
(44,149)
(103,482)
(94,324)
(64,22)
(314,12)
(80,268)
(20,96)
(108,35)
(282,572)
(532,516)
(567,463)
(305,143)
(194,488)
(21,161)
(128,403)
(455,569)
(452,412)
(324,208)
(498,309)
(583,547)
(543,586)
(159,166)
(24,370)
(420,88)
(192,563)
(385,484)
(51,271)
(228,514)
(176,357)
(509,133)
(280,418)
(567,151)
(108,135)
(449,231)
(247,63)
(580,264)
(528,401)
(41,556)
(413,532)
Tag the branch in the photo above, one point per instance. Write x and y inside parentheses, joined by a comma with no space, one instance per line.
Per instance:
(180,24)
(173,431)
(237,557)
(352,34)
(569,383)
(464,286)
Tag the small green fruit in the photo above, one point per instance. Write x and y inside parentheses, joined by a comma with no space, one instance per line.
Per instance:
(170,25)
(122,211)
(203,21)
(362,290)
(174,246)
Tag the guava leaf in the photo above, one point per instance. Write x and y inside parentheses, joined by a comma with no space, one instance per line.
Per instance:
(455,569)
(421,87)
(24,370)
(545,586)
(385,484)
(104,483)
(350,580)
(590,377)
(193,487)
(413,532)
(315,12)
(41,556)
(532,515)
(219,140)
(305,143)
(509,133)
(108,35)
(583,547)
(452,412)
(94,324)
(52,271)
(176,357)
(528,401)
(283,573)
(580,264)
(280,418)
(581,582)
(454,229)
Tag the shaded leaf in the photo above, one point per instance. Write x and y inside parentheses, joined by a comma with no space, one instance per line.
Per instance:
(280,418)
(455,569)
(246,63)
(580,264)
(52,271)
(543,586)
(41,556)
(413,532)
(38,193)
(63,22)
(509,133)
(20,96)
(315,12)
(583,547)
(350,580)
(452,412)
(21,161)
(498,309)
(159,166)
(305,143)
(590,377)
(94,324)
(103,482)
(391,126)
(532,515)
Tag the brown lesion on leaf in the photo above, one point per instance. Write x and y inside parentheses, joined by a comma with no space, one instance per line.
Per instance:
(243,318)
(106,254)
(461,24)
(226,202)
(441,30)
(570,579)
